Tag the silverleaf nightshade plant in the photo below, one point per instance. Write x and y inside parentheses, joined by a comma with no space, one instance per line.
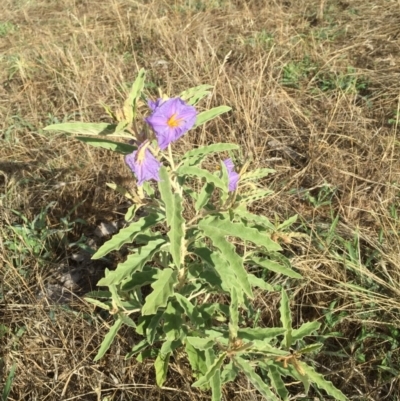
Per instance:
(197,252)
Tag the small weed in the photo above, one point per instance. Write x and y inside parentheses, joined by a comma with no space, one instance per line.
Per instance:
(348,82)
(6,28)
(261,39)
(36,238)
(395,119)
(295,72)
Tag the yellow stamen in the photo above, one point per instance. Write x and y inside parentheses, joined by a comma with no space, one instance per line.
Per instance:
(174,122)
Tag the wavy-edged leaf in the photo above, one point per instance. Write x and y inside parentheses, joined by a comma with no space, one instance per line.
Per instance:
(260,283)
(286,319)
(176,234)
(141,278)
(153,326)
(256,174)
(140,346)
(162,290)
(275,267)
(254,378)
(208,115)
(135,261)
(83,128)
(195,156)
(175,220)
(127,234)
(228,251)
(108,339)
(253,196)
(200,173)
(98,303)
(200,343)
(211,371)
(161,368)
(196,359)
(255,218)
(306,329)
(215,381)
(322,383)
(98,294)
(190,310)
(118,147)
(277,382)
(134,94)
(204,196)
(229,373)
(260,333)
(233,315)
(194,95)
(226,227)
(173,321)
(310,348)
(287,223)
(223,277)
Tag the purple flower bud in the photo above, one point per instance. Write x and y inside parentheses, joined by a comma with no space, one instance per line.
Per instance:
(233,176)
(170,120)
(145,166)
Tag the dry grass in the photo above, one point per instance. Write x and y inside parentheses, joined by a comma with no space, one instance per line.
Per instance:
(312,85)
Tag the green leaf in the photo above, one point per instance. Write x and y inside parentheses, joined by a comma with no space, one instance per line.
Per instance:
(260,333)
(194,95)
(233,315)
(287,223)
(173,321)
(211,371)
(253,196)
(255,218)
(108,339)
(275,267)
(190,310)
(164,185)
(195,156)
(176,234)
(208,115)
(310,348)
(254,378)
(8,383)
(228,228)
(161,367)
(229,373)
(260,283)
(162,290)
(256,175)
(200,343)
(286,319)
(83,128)
(215,381)
(127,234)
(135,261)
(204,196)
(223,277)
(139,279)
(228,252)
(118,147)
(127,320)
(98,303)
(322,383)
(152,328)
(200,173)
(196,359)
(306,329)
(98,294)
(130,102)
(277,382)
(140,346)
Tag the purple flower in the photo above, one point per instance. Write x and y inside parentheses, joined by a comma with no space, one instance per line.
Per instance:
(143,164)
(233,176)
(170,120)
(154,105)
